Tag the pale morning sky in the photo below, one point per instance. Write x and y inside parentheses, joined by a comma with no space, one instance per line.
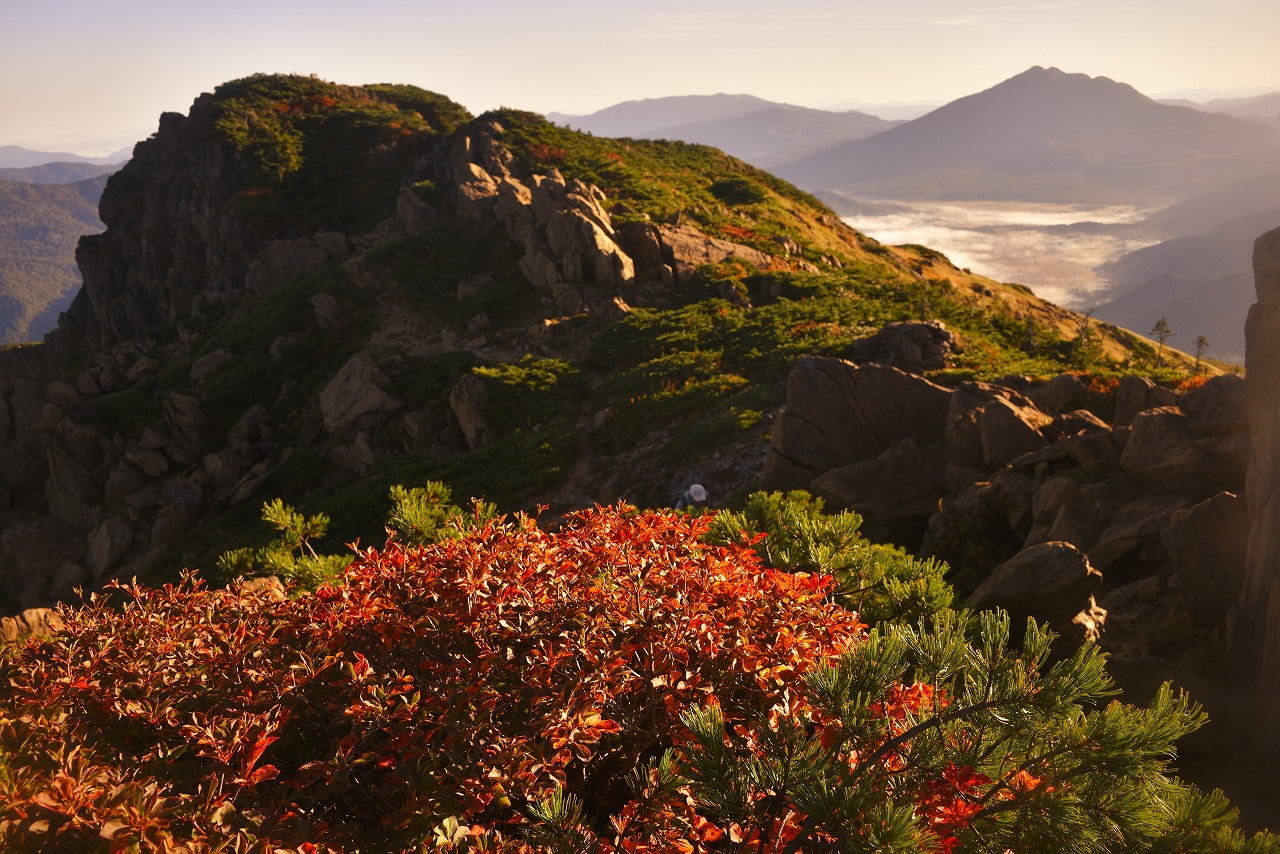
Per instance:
(91,74)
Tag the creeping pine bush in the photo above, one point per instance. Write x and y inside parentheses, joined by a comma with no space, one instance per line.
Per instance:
(790,531)
(617,685)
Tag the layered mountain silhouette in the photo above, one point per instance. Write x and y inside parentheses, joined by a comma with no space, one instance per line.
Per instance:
(1048,136)
(1201,284)
(57,173)
(17,157)
(760,132)
(636,118)
(1264,108)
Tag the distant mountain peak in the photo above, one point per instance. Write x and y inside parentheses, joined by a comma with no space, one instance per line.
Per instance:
(1045,135)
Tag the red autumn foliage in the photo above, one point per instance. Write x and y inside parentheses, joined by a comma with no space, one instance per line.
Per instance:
(545,153)
(436,694)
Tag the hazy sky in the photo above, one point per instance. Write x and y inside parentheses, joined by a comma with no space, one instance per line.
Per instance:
(75,70)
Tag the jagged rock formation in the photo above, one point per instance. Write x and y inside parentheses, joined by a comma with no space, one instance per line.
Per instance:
(173,242)
(116,457)
(1256,630)
(571,251)
(981,475)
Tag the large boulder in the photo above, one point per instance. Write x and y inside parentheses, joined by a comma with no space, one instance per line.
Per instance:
(186,422)
(357,390)
(107,544)
(1052,582)
(469,400)
(989,427)
(685,249)
(1217,408)
(1163,452)
(838,414)
(32,551)
(33,622)
(1073,510)
(1063,393)
(1136,394)
(1134,536)
(74,488)
(904,483)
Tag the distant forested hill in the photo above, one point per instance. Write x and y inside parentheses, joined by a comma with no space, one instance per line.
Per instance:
(761,132)
(62,172)
(39,227)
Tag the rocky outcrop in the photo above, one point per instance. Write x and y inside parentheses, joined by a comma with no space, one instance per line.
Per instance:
(171,241)
(988,426)
(1255,631)
(32,622)
(981,475)
(569,247)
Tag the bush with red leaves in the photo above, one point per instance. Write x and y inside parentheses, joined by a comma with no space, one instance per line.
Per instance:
(619,685)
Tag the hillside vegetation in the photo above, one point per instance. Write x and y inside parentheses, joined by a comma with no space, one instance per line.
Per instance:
(40,224)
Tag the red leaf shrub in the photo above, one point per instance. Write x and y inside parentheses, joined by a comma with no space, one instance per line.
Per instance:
(460,682)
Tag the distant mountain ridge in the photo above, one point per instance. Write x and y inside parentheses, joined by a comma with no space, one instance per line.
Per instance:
(1046,135)
(761,132)
(1201,284)
(1259,106)
(57,173)
(636,118)
(17,157)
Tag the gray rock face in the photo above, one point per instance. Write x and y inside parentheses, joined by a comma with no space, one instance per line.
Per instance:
(171,239)
(357,390)
(468,399)
(1164,451)
(686,249)
(1052,582)
(839,414)
(1137,394)
(905,481)
(988,426)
